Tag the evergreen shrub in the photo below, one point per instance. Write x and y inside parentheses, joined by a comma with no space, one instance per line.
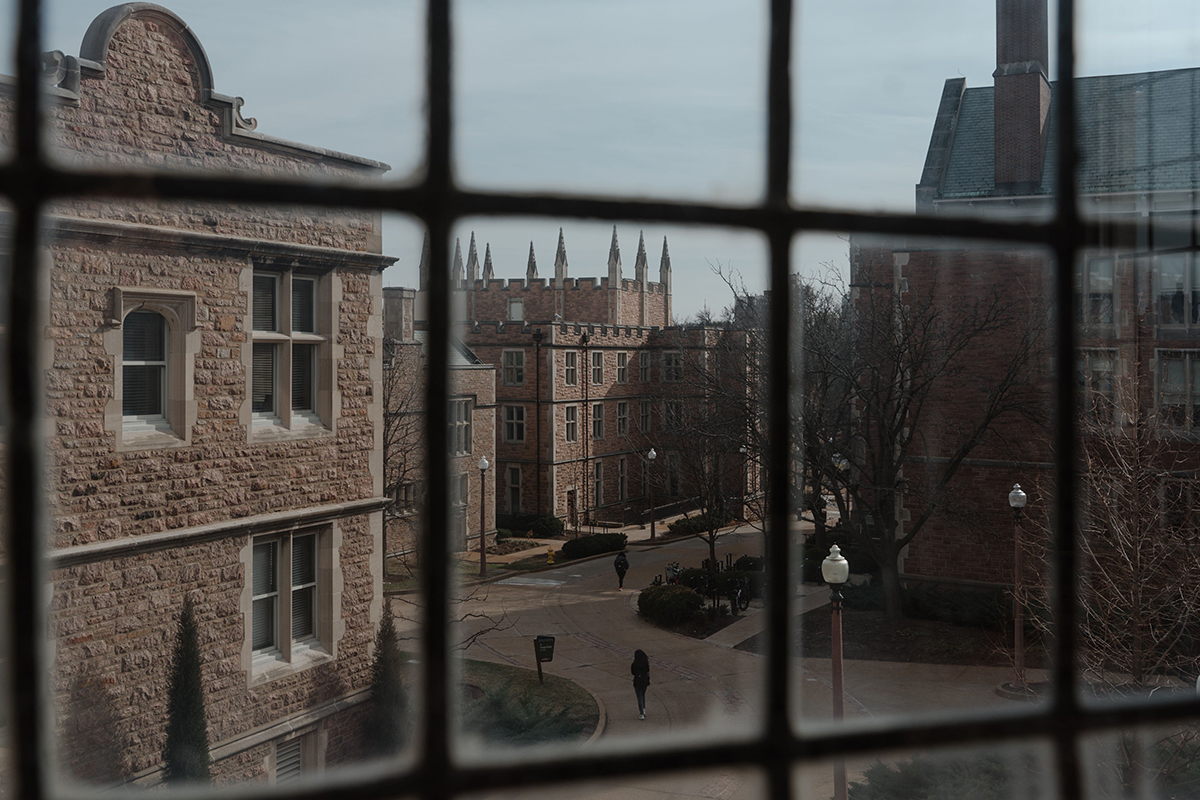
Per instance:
(669,605)
(185,754)
(592,545)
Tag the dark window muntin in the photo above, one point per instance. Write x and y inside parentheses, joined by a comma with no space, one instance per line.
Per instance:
(439,202)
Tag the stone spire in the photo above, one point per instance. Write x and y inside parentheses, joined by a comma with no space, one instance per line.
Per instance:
(664,268)
(639,265)
(531,267)
(560,260)
(489,274)
(456,269)
(423,268)
(614,261)
(472,261)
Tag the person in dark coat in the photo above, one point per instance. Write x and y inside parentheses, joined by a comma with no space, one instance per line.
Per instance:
(640,668)
(621,564)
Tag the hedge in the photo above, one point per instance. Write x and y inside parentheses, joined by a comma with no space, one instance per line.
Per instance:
(750,564)
(669,605)
(591,545)
(543,527)
(701,523)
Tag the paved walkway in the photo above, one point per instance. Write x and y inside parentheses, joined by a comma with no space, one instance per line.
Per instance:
(698,687)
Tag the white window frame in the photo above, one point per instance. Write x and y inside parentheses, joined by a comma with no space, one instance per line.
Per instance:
(514,424)
(289,342)
(460,413)
(571,423)
(513,367)
(570,368)
(288,651)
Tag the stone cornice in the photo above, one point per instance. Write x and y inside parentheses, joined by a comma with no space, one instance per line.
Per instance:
(246,526)
(152,236)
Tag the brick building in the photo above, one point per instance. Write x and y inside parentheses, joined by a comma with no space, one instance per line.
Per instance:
(1137,291)
(212,383)
(590,375)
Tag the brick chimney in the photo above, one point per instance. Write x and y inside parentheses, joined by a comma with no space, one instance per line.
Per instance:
(1022,94)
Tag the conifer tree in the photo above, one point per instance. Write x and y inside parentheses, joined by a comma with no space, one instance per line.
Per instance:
(386,726)
(185,755)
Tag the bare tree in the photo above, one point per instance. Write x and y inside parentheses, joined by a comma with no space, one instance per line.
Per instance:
(896,358)
(1139,564)
(404,444)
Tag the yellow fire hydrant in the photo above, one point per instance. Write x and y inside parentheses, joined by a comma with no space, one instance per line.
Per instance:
(550,555)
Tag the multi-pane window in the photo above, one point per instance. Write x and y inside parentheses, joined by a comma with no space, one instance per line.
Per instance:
(644,416)
(622,478)
(644,367)
(514,490)
(1096,399)
(514,367)
(1094,289)
(597,367)
(672,415)
(622,418)
(571,368)
(1178,278)
(1179,389)
(144,370)
(598,421)
(571,419)
(622,367)
(516,310)
(458,427)
(598,484)
(672,366)
(514,423)
(460,490)
(284,373)
(284,594)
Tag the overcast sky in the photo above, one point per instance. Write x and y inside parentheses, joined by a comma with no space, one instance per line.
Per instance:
(661,98)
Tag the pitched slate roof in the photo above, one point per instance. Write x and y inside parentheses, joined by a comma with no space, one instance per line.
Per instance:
(1137,132)
(460,354)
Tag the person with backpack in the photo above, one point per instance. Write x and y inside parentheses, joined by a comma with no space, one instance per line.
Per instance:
(641,679)
(621,564)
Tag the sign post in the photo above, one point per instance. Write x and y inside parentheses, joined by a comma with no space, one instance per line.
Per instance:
(543,650)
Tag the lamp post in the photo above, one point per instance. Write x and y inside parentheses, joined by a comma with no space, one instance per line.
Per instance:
(1016,499)
(745,477)
(835,569)
(650,482)
(483,468)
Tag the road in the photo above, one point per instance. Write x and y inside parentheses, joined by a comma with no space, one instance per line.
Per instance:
(698,688)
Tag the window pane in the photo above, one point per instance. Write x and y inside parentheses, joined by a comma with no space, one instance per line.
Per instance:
(303,356)
(304,560)
(145,336)
(303,613)
(581,100)
(263,386)
(142,389)
(304,313)
(265,569)
(266,311)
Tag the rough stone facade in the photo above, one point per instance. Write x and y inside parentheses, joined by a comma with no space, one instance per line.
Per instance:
(146,515)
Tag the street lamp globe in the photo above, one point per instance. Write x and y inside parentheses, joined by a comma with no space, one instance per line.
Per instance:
(652,455)
(1016,498)
(835,569)
(483,464)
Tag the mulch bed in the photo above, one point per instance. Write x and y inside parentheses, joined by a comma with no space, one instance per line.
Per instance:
(506,546)
(871,636)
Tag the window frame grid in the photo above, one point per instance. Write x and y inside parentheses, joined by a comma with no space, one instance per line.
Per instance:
(30,180)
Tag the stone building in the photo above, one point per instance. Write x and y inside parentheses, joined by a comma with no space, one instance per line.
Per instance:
(590,375)
(1137,291)
(212,384)
(471,435)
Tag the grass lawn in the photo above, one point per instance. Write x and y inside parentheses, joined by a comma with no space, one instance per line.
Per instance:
(506,705)
(401,580)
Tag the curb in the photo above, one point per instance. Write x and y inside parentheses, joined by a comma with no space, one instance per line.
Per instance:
(602,722)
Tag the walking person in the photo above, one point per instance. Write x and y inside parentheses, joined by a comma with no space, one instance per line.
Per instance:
(621,564)
(641,679)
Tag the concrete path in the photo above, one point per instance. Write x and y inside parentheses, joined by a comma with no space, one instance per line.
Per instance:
(698,688)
